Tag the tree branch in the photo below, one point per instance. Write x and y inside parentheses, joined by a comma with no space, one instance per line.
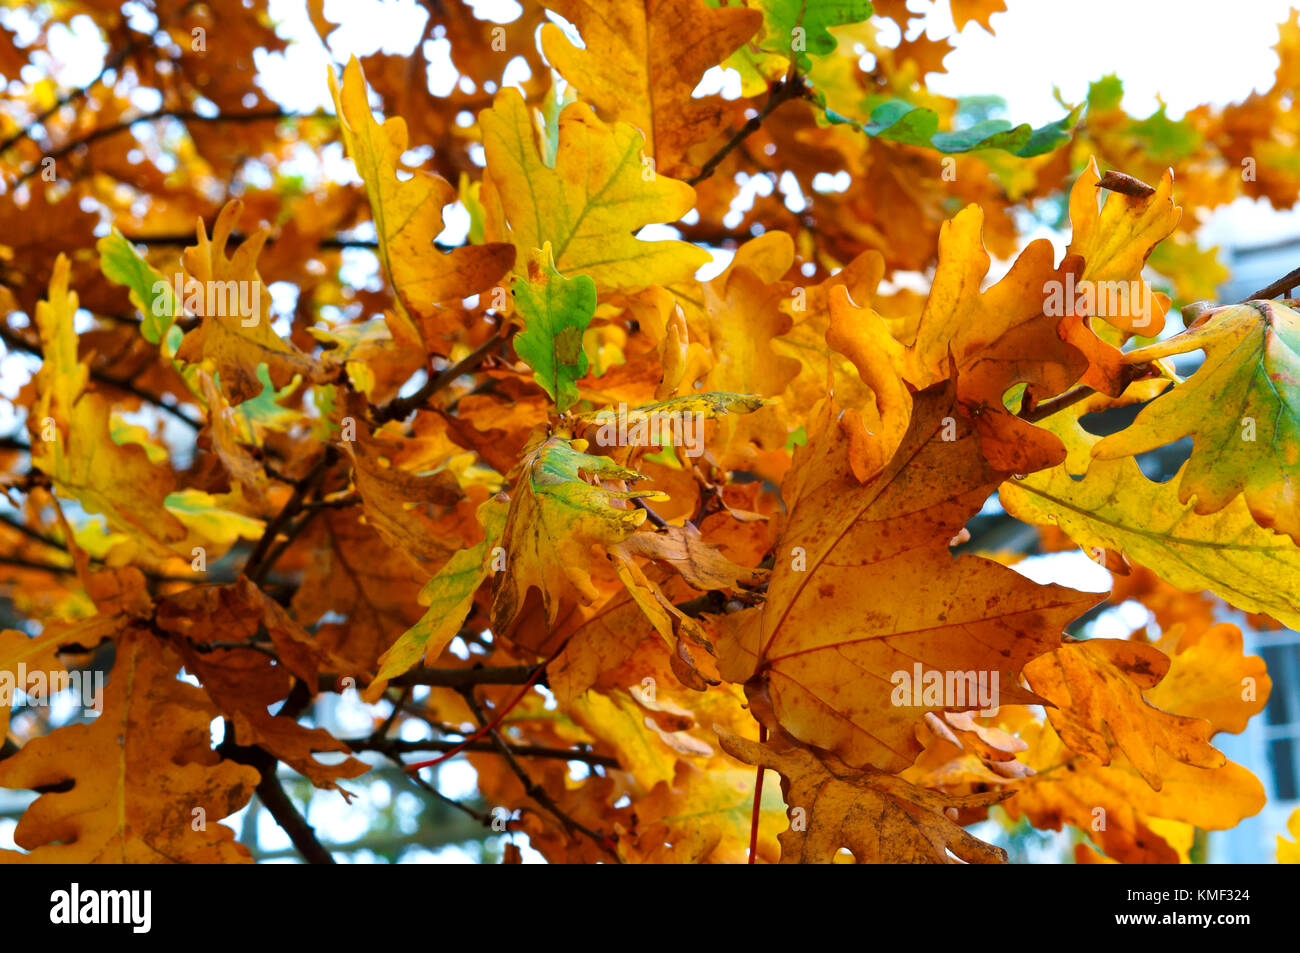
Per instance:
(18,343)
(456,677)
(397,746)
(187,238)
(112,63)
(184,115)
(532,788)
(791,87)
(1282,286)
(401,407)
(258,564)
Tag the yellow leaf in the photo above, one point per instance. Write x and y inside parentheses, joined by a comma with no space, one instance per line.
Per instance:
(408,212)
(590,204)
(139,773)
(634,67)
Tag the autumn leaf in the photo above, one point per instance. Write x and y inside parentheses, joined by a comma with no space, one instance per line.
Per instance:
(1116,507)
(24,653)
(1210,677)
(846,557)
(1241,407)
(137,774)
(556,310)
(1114,242)
(448,596)
(877,817)
(1288,852)
(1210,798)
(979,11)
(555,518)
(72,442)
(408,211)
(589,203)
(1096,689)
(631,68)
(233,342)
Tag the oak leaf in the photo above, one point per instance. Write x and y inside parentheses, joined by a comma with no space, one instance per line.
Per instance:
(1096,687)
(879,818)
(555,518)
(633,69)
(408,212)
(1116,507)
(589,203)
(138,774)
(1241,407)
(864,577)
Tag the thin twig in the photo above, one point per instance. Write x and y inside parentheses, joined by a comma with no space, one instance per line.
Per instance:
(531,787)
(257,565)
(1282,286)
(524,751)
(456,677)
(1049,407)
(401,407)
(112,63)
(184,115)
(791,87)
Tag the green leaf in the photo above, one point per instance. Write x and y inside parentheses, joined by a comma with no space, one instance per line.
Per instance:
(448,596)
(1105,93)
(813,18)
(150,292)
(1111,504)
(556,310)
(1167,140)
(897,120)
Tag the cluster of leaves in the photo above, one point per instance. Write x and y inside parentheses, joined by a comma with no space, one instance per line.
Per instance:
(403,484)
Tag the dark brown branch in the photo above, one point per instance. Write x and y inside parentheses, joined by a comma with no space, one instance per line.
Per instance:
(184,115)
(1131,373)
(1282,286)
(792,87)
(187,238)
(338,503)
(23,563)
(273,796)
(401,407)
(20,563)
(269,789)
(257,565)
(290,534)
(531,787)
(655,518)
(18,343)
(454,677)
(397,746)
(1049,407)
